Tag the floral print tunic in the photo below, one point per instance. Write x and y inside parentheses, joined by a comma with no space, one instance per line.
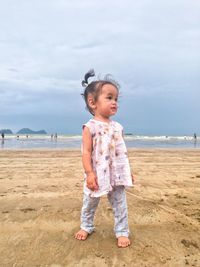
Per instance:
(109,157)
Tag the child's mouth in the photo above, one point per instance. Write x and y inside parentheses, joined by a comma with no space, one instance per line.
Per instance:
(114,109)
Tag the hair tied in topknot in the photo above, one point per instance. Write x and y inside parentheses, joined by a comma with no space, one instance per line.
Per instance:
(89,74)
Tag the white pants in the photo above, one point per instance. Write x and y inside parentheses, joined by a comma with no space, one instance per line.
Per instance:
(117,199)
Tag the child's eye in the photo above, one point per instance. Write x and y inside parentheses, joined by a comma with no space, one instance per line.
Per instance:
(109,97)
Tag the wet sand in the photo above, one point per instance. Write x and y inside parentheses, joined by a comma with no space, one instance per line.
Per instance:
(41,198)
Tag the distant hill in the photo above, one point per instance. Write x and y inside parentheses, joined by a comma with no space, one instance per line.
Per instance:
(6,131)
(29,131)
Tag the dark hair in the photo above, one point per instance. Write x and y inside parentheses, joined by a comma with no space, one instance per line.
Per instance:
(94,88)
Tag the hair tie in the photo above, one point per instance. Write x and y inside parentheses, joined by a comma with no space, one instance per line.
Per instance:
(89,74)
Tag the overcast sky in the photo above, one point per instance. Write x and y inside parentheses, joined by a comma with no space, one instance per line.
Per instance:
(151,47)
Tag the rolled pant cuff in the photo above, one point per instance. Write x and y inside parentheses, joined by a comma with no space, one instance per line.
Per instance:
(118,234)
(89,231)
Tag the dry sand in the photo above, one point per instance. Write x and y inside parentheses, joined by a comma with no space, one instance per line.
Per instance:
(41,198)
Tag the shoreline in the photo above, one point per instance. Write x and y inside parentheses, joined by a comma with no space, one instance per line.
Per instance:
(79,149)
(65,142)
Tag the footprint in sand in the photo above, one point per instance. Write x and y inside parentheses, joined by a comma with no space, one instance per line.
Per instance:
(179,196)
(188,243)
(27,210)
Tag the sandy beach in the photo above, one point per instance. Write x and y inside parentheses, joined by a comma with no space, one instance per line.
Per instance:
(41,199)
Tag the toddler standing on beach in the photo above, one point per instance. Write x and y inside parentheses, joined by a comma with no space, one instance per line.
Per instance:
(105,160)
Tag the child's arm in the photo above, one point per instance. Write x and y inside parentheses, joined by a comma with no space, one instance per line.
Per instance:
(87,160)
(132,175)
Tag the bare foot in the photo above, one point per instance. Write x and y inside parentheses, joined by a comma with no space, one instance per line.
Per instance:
(123,242)
(81,235)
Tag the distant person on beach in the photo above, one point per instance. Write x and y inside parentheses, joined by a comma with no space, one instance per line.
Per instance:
(195,139)
(2,140)
(105,160)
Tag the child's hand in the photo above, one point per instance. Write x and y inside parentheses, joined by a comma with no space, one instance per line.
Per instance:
(133,178)
(92,181)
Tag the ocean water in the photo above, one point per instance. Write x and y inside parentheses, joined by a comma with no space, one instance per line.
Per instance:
(66,141)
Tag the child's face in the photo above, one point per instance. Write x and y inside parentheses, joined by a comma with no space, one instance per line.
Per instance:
(106,104)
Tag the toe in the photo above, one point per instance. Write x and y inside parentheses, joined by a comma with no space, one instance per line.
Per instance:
(123,242)
(81,235)
(77,235)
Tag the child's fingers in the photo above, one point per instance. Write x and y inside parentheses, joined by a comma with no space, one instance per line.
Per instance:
(92,186)
(133,178)
(96,184)
(96,187)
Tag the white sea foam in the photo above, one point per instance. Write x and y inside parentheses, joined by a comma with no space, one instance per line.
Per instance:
(157,137)
(74,141)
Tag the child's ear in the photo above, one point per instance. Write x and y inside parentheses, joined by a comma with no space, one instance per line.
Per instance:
(91,102)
